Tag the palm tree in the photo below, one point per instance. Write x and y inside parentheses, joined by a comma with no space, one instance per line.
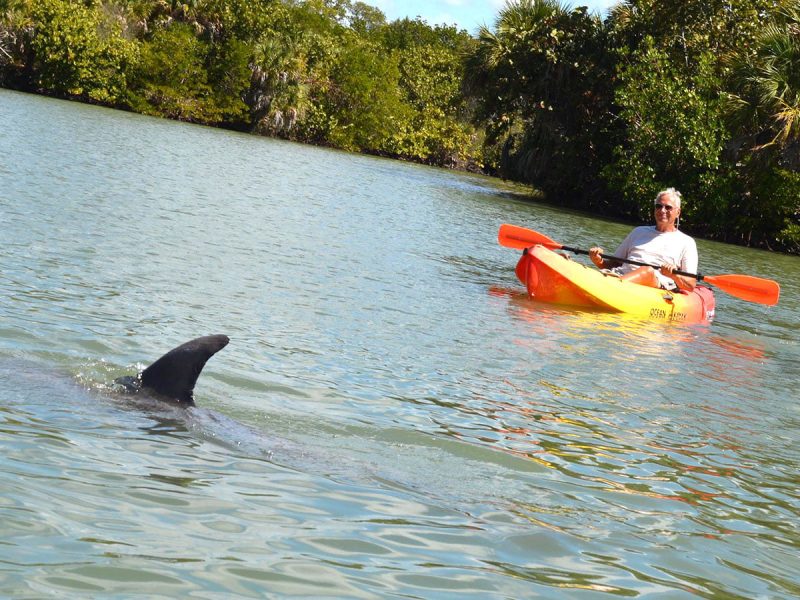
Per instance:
(278,92)
(521,28)
(538,82)
(764,104)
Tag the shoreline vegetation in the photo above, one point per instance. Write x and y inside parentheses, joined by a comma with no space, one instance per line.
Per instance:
(595,114)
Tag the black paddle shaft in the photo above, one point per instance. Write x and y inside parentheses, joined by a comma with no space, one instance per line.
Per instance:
(697,276)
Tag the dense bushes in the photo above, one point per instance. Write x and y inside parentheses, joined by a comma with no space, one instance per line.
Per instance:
(597,114)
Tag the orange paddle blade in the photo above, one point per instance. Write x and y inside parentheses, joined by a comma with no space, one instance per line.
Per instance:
(747,287)
(512,236)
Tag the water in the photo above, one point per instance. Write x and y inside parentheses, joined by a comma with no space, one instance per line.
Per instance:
(392,418)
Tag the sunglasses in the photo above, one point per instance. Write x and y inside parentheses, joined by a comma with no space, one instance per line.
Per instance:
(666,207)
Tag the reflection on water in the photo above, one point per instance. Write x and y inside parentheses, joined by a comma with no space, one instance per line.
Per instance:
(392,418)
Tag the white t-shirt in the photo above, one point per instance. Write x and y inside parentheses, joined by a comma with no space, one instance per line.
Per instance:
(648,245)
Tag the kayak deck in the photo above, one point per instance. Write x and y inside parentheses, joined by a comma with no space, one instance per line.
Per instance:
(552,278)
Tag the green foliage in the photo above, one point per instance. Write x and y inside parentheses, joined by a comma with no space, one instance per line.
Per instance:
(278,67)
(172,80)
(244,20)
(14,21)
(365,19)
(430,79)
(540,87)
(363,102)
(687,29)
(228,68)
(675,118)
(79,52)
(764,210)
(673,135)
(327,71)
(404,34)
(763,103)
(436,139)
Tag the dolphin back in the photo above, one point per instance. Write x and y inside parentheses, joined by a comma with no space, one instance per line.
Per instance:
(175,374)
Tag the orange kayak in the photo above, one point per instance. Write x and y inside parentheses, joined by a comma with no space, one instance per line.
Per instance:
(550,277)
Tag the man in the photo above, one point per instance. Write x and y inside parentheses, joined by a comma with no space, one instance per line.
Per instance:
(661,244)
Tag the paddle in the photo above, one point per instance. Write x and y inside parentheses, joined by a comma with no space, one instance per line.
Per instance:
(746,287)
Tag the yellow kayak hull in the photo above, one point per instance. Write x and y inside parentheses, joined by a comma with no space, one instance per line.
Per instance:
(552,278)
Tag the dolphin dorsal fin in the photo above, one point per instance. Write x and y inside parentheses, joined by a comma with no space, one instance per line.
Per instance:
(174,374)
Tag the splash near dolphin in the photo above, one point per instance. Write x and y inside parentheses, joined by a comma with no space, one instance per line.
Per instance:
(173,376)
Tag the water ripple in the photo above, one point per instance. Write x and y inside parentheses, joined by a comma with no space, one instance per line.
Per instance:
(392,418)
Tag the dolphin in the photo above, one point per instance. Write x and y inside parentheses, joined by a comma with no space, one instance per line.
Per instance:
(362,455)
(173,376)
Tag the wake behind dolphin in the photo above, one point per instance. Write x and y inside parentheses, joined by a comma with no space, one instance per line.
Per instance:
(174,375)
(171,380)
(351,454)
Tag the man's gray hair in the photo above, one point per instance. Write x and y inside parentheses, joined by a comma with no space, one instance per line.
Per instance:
(675,194)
